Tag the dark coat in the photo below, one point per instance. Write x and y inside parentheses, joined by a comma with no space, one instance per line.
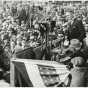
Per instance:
(76,31)
(53,23)
(26,54)
(28,19)
(79,77)
(21,16)
(4,60)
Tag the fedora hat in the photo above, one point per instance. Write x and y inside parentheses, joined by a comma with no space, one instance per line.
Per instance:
(75,43)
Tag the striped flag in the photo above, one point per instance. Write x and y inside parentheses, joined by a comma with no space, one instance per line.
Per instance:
(38,73)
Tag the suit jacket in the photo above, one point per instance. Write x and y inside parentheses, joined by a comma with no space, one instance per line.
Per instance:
(76,31)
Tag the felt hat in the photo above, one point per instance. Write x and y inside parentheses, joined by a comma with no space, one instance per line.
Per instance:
(75,43)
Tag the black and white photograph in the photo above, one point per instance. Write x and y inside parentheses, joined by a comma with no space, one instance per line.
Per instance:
(44,43)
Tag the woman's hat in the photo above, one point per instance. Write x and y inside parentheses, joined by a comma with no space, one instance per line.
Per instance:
(75,43)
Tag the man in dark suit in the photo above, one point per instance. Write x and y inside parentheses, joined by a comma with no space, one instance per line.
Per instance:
(21,14)
(77,30)
(27,17)
(14,10)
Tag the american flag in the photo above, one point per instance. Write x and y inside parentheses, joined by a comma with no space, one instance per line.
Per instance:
(38,73)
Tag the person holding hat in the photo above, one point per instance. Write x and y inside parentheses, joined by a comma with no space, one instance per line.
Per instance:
(79,73)
(74,50)
(79,51)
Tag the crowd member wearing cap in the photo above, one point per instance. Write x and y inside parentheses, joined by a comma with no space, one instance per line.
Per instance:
(79,73)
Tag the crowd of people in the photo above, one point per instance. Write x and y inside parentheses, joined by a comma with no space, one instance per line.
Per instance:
(22,26)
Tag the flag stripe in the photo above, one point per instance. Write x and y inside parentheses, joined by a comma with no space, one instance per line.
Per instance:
(34,75)
(41,73)
(22,70)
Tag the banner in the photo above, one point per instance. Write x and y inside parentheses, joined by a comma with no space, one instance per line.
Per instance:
(38,73)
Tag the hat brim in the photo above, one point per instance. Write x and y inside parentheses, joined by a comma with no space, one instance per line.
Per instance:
(76,47)
(65,59)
